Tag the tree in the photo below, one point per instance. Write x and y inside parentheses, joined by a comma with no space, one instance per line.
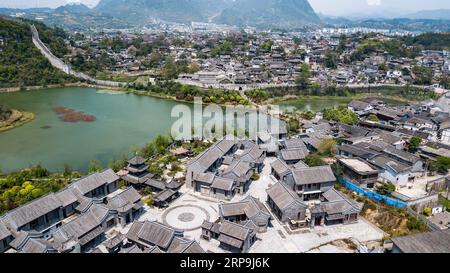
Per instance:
(373,118)
(441,165)
(309,115)
(422,75)
(67,170)
(169,70)
(305,74)
(327,147)
(95,166)
(331,59)
(414,143)
(117,165)
(194,68)
(293,125)
(5,112)
(314,160)
(341,114)
(386,189)
(342,43)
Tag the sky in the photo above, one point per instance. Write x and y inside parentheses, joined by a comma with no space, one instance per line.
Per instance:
(329,7)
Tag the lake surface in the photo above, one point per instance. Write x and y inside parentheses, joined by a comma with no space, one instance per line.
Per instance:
(313,104)
(319,104)
(124,122)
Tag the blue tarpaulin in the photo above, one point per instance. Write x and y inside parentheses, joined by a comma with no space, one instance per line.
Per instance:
(372,195)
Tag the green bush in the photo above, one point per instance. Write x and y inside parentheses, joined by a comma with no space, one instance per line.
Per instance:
(427,211)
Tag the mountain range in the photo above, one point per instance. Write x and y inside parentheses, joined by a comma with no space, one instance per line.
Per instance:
(282,14)
(440,14)
(73,8)
(279,13)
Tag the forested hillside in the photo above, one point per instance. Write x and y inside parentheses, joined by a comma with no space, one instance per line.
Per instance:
(21,63)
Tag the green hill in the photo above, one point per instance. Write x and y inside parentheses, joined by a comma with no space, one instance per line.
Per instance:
(279,13)
(143,11)
(21,63)
(269,13)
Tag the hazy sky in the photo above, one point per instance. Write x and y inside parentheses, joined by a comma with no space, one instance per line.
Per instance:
(332,7)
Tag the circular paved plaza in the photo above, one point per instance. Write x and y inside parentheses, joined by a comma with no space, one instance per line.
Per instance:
(185,217)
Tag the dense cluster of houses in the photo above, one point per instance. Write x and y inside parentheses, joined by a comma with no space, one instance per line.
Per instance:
(225,169)
(303,197)
(377,151)
(90,212)
(257,60)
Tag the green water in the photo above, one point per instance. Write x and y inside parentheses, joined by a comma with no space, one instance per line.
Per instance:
(318,104)
(313,104)
(124,123)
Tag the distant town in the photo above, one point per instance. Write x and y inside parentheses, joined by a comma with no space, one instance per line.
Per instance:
(368,174)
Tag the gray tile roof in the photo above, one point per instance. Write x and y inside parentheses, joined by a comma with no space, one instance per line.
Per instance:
(94,181)
(338,203)
(284,197)
(294,154)
(300,165)
(4,232)
(137,160)
(156,184)
(66,197)
(125,200)
(164,195)
(151,233)
(203,161)
(249,206)
(238,168)
(386,163)
(132,249)
(183,245)
(32,210)
(36,246)
(115,241)
(253,154)
(408,157)
(430,242)
(313,175)
(207,178)
(81,226)
(358,105)
(357,151)
(280,167)
(234,230)
(223,183)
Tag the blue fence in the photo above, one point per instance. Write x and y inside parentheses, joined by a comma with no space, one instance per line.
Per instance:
(372,195)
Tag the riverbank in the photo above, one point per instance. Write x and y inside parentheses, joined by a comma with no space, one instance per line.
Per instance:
(124,90)
(16,119)
(287,100)
(345,99)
